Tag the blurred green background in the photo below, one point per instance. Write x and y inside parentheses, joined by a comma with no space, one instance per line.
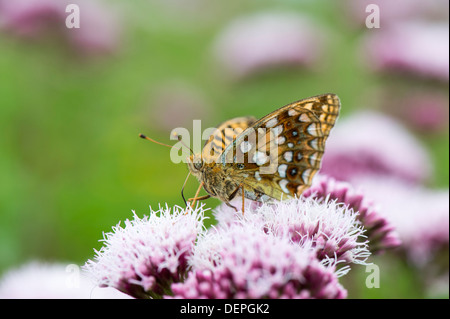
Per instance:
(71,162)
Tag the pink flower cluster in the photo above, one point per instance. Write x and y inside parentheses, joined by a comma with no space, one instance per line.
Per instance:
(147,255)
(98,32)
(413,47)
(379,231)
(265,40)
(323,224)
(291,249)
(244,262)
(412,36)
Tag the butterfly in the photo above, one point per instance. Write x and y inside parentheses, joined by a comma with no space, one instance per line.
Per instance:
(275,157)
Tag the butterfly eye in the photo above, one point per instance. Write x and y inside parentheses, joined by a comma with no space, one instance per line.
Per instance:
(198,165)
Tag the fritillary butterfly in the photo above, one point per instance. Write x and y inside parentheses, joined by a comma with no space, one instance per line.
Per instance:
(275,157)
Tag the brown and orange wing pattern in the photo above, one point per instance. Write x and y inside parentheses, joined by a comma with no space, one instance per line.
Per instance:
(279,154)
(224,135)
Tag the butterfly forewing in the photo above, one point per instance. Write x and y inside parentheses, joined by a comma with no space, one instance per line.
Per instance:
(279,154)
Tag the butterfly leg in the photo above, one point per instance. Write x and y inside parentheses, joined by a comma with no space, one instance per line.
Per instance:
(241,186)
(196,195)
(199,198)
(243,198)
(229,205)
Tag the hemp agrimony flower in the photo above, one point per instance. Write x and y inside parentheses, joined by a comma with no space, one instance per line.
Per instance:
(282,249)
(379,231)
(146,256)
(328,227)
(244,261)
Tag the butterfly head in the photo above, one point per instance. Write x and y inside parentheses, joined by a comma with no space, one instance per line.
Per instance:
(195,164)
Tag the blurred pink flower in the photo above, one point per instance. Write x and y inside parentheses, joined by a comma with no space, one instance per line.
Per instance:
(424,110)
(177,104)
(428,114)
(399,10)
(371,143)
(414,47)
(147,255)
(37,19)
(420,215)
(30,17)
(37,280)
(243,261)
(268,39)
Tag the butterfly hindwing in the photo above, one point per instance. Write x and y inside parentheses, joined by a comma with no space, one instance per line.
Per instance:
(279,154)
(224,135)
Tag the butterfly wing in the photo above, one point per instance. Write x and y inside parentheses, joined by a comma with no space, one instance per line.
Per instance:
(279,154)
(223,136)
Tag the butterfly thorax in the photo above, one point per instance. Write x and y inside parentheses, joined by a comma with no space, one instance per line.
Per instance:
(216,178)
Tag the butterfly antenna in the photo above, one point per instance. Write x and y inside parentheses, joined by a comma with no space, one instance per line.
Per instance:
(152,140)
(180,140)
